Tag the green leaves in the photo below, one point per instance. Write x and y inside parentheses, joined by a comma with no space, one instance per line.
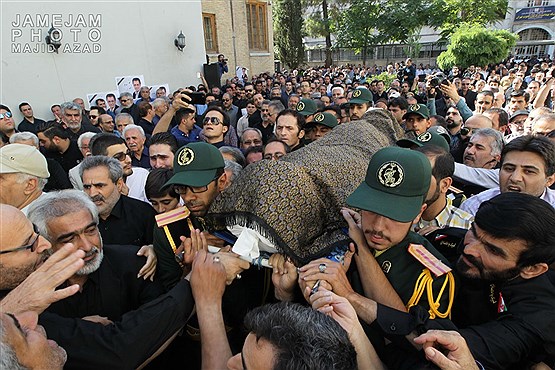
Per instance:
(476,45)
(288,38)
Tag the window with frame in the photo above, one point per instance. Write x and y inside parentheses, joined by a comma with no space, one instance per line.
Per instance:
(533,3)
(210,36)
(257,24)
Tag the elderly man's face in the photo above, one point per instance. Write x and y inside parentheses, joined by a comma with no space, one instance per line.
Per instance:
(84,148)
(274,151)
(106,123)
(13,191)
(72,119)
(126,101)
(81,230)
(121,124)
(293,101)
(250,138)
(16,265)
(135,141)
(145,94)
(478,152)
(100,188)
(30,344)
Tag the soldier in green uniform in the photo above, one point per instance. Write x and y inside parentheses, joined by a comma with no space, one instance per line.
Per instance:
(391,198)
(198,178)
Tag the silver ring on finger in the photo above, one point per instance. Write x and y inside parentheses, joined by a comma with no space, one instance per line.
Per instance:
(322,268)
(238,276)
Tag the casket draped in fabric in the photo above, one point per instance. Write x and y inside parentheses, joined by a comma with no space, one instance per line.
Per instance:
(295,202)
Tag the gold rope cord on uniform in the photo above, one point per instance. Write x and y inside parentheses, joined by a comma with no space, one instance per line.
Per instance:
(425,283)
(170,238)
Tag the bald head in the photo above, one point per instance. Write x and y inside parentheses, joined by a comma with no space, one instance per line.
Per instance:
(544,124)
(478,121)
(11,219)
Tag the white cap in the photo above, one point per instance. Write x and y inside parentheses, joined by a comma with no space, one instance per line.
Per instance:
(21,158)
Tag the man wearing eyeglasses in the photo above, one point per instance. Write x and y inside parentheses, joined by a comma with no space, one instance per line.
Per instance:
(94,113)
(545,126)
(198,178)
(23,174)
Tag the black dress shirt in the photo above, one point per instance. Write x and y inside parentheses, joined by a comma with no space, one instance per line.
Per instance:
(127,343)
(113,289)
(130,222)
(29,126)
(69,159)
(144,162)
(58,179)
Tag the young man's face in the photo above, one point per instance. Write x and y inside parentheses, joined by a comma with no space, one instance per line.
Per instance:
(381,232)
(136,85)
(483,103)
(397,112)
(161,156)
(287,130)
(164,204)
(524,172)
(111,102)
(417,123)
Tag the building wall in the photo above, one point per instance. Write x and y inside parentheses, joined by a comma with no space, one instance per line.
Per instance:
(135,39)
(232,35)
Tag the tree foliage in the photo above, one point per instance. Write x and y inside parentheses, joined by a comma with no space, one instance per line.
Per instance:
(288,36)
(366,23)
(476,45)
(450,14)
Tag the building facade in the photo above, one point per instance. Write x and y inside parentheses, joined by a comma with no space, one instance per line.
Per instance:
(242,31)
(100,41)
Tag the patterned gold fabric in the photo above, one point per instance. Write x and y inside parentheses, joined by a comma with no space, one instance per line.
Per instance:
(296,202)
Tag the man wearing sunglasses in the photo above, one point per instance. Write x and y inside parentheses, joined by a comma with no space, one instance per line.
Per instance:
(215,125)
(7,124)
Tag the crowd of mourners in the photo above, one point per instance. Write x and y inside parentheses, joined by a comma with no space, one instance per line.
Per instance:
(344,217)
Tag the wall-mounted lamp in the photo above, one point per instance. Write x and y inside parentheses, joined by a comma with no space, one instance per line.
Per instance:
(179,42)
(54,38)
